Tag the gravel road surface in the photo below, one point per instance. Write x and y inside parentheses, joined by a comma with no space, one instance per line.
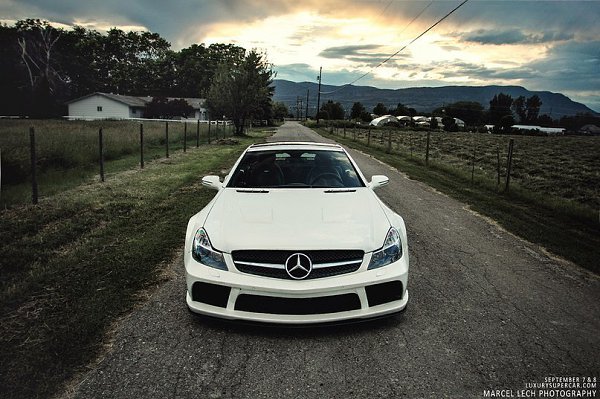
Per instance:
(488,311)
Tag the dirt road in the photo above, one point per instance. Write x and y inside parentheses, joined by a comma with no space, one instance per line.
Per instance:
(488,311)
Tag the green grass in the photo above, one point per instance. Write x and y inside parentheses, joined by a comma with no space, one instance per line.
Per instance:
(564,227)
(70,266)
(68,151)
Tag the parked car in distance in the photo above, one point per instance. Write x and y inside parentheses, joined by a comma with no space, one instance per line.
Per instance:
(296,235)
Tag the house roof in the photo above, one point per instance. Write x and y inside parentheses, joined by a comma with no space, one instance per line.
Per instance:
(140,101)
(383,120)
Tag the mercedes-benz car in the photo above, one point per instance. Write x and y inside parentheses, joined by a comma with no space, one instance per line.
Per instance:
(296,235)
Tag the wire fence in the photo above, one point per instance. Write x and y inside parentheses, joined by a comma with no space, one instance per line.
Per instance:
(567,167)
(47,156)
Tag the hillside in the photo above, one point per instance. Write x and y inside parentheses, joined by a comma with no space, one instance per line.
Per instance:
(423,99)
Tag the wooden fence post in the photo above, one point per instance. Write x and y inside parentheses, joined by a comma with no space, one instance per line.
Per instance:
(184,136)
(198,133)
(101,148)
(369,137)
(427,149)
(141,146)
(473,161)
(209,131)
(344,131)
(34,184)
(389,146)
(509,163)
(167,137)
(498,167)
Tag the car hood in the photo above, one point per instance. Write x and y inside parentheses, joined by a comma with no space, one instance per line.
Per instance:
(296,219)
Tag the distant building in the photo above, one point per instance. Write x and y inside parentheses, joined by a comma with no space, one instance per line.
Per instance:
(383,120)
(459,122)
(547,130)
(116,106)
(590,129)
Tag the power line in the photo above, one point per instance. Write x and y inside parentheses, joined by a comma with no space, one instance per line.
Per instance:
(405,46)
(386,7)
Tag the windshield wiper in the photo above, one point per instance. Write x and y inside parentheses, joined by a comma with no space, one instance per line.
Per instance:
(259,191)
(340,190)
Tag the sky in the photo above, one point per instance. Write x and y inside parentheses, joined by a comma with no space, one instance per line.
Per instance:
(540,45)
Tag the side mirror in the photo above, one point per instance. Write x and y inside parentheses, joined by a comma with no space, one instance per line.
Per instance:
(378,181)
(213,182)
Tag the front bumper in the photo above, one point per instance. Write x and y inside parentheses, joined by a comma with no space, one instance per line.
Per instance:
(238,296)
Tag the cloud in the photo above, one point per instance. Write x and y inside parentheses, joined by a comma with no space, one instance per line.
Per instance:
(345,51)
(365,54)
(571,66)
(542,45)
(513,36)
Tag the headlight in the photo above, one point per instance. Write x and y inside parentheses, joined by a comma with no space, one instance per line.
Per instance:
(391,251)
(204,253)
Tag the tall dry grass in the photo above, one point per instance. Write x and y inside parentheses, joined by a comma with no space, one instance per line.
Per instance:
(68,151)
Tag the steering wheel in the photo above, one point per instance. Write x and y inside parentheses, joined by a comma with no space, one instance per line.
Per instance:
(327,175)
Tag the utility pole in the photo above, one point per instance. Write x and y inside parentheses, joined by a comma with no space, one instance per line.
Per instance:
(319,94)
(306,113)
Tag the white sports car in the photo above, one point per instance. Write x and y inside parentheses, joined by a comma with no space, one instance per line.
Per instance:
(296,234)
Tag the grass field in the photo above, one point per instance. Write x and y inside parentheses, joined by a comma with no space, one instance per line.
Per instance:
(68,151)
(565,167)
(567,228)
(70,266)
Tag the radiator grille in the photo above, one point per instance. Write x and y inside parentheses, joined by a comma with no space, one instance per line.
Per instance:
(326,263)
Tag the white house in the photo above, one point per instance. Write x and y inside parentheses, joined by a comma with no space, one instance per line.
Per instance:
(116,106)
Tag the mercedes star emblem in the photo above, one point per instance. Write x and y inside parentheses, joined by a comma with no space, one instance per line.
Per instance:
(298,266)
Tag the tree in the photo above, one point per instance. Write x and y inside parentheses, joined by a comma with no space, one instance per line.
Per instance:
(506,123)
(195,67)
(545,120)
(241,88)
(449,124)
(365,116)
(380,109)
(471,112)
(401,110)
(37,40)
(180,107)
(162,108)
(500,106)
(533,105)
(519,107)
(576,122)
(357,110)
(332,111)
(280,110)
(433,123)
(13,76)
(41,67)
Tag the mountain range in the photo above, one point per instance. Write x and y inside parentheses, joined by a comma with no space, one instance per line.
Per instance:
(423,99)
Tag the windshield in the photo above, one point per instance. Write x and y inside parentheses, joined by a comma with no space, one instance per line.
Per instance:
(295,168)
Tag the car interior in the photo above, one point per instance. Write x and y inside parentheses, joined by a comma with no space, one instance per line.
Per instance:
(295,168)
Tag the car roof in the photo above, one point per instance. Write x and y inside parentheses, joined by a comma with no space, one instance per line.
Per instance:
(294,145)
